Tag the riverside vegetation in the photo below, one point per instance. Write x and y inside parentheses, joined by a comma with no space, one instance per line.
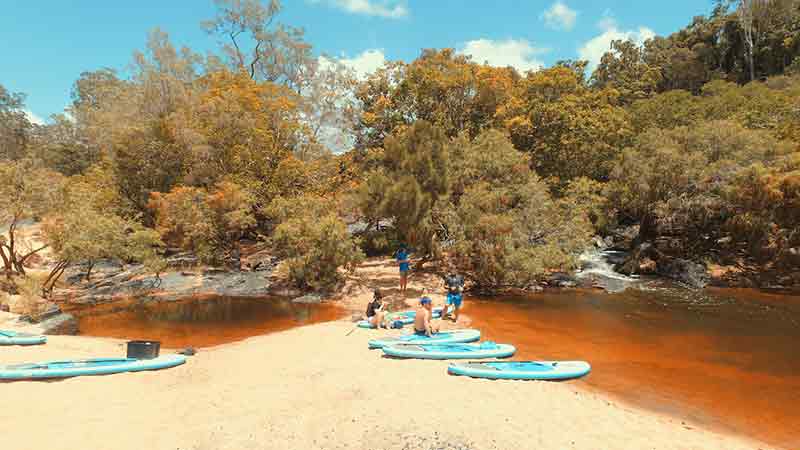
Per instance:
(692,139)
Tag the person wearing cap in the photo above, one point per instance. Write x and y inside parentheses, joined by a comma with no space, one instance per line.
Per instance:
(455,289)
(375,313)
(402,259)
(422,319)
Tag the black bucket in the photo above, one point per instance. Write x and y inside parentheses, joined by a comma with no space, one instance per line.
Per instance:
(143,349)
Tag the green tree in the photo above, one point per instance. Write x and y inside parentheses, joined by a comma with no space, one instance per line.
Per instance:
(207,223)
(313,240)
(626,69)
(414,177)
(504,229)
(14,125)
(674,181)
(27,192)
(568,129)
(441,87)
(253,44)
(79,231)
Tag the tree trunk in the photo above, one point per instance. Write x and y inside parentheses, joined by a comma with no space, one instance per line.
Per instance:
(6,263)
(18,265)
(31,253)
(53,277)
(89,271)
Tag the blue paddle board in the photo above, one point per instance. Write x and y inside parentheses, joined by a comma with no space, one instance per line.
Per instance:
(444,337)
(406,317)
(14,338)
(485,349)
(521,370)
(74,368)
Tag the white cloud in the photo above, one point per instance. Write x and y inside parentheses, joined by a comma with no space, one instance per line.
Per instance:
(365,63)
(33,118)
(362,64)
(392,9)
(519,54)
(594,49)
(559,16)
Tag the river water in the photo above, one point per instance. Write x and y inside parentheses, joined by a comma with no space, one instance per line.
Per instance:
(721,357)
(200,322)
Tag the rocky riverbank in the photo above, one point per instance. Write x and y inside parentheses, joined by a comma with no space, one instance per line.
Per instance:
(185,278)
(665,257)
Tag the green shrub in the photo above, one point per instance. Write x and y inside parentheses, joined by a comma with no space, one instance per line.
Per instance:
(313,240)
(505,228)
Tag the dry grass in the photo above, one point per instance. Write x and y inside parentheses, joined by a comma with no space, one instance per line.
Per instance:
(30,301)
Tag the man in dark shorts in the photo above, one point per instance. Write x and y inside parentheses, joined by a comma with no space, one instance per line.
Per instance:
(422,319)
(402,259)
(454,284)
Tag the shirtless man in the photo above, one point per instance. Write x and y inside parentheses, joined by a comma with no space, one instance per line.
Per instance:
(422,320)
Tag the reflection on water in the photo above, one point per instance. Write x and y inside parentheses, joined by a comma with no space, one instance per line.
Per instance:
(200,322)
(723,357)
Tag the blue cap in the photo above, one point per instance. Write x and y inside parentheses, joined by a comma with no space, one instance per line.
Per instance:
(424,300)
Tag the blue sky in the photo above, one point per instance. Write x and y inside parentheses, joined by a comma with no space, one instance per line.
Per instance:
(45,45)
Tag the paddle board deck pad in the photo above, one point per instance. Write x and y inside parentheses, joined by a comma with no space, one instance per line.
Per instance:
(521,370)
(14,338)
(74,368)
(405,317)
(444,337)
(485,349)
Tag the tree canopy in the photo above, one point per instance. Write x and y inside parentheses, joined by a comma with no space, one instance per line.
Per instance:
(693,136)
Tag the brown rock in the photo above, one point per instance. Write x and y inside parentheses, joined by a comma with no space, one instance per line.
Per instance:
(647,266)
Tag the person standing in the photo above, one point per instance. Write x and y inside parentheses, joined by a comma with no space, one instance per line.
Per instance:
(403,260)
(454,284)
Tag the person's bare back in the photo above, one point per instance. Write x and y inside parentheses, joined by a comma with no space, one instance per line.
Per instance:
(422,318)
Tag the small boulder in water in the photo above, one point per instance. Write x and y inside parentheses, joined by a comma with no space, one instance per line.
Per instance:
(308,299)
(683,270)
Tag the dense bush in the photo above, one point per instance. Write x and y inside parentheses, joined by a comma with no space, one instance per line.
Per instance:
(504,226)
(313,240)
(207,223)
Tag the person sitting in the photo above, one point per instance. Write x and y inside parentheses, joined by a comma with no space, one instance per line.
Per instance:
(375,313)
(423,325)
(455,291)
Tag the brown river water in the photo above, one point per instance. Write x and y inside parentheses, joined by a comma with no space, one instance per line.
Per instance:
(202,322)
(723,358)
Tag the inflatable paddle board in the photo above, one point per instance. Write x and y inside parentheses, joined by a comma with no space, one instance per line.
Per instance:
(485,349)
(74,368)
(406,317)
(443,337)
(521,370)
(14,338)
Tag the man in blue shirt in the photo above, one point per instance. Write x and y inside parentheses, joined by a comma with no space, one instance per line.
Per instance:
(403,261)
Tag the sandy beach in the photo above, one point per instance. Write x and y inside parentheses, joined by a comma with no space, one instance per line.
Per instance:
(315,388)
